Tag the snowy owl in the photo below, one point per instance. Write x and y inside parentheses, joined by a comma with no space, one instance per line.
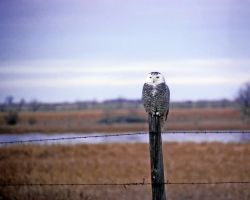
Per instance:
(156,95)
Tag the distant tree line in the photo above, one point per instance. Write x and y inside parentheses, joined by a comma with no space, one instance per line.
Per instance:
(12,108)
(34,105)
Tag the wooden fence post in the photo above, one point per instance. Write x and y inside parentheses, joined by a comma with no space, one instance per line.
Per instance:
(156,158)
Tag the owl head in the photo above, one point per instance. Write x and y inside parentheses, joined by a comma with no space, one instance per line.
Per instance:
(155,78)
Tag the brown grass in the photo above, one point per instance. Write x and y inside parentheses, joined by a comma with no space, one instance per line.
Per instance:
(103,163)
(87,121)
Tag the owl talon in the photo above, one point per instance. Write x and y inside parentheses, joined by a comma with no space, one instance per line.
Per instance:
(157,114)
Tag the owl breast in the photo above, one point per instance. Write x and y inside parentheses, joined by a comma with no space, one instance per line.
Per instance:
(154,91)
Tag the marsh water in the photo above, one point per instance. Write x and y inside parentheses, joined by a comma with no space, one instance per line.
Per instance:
(79,138)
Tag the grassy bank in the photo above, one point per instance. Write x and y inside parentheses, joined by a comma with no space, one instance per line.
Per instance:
(105,163)
(122,120)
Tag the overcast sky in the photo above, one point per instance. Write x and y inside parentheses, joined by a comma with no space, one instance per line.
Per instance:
(64,50)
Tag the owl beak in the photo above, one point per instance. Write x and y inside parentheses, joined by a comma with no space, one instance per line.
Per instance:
(154,80)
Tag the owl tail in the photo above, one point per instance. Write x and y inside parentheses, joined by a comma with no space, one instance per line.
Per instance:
(163,120)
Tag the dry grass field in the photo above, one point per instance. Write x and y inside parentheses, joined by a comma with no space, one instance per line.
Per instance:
(121,163)
(88,121)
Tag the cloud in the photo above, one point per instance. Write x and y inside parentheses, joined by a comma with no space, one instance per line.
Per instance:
(66,83)
(103,81)
(79,66)
(77,73)
(210,81)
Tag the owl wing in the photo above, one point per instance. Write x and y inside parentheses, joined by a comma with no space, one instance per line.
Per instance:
(167,101)
(146,96)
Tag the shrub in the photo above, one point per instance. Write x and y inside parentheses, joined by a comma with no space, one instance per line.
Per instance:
(11,118)
(243,100)
(122,119)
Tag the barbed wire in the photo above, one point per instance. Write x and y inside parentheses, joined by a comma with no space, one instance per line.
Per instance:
(121,184)
(124,134)
(70,138)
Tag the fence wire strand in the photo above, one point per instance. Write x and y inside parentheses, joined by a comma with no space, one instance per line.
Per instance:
(121,184)
(120,135)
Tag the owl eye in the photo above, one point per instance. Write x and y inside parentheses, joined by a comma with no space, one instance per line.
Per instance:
(150,77)
(157,77)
